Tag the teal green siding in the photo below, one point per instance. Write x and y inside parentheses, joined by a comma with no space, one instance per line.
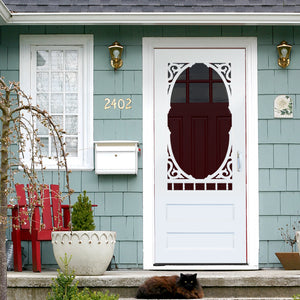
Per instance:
(119,198)
(278,142)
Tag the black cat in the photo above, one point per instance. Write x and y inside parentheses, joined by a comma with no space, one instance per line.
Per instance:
(185,286)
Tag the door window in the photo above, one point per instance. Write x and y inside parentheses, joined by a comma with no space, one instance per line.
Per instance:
(199,121)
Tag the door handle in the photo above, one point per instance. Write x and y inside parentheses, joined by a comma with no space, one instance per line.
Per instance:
(238,162)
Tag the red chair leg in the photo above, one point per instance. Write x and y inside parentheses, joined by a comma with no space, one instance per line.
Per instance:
(35,242)
(36,253)
(16,238)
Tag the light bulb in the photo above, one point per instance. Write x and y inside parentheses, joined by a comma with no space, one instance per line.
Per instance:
(116,53)
(284,52)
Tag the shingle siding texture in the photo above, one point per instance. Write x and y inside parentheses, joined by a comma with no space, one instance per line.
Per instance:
(153,5)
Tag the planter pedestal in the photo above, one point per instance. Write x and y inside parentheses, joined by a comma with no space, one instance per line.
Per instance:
(90,251)
(289,260)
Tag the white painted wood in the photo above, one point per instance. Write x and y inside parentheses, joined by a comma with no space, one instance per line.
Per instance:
(167,18)
(211,239)
(84,44)
(249,44)
(5,13)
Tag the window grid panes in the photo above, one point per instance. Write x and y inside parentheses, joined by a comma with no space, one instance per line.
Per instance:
(57,91)
(199,84)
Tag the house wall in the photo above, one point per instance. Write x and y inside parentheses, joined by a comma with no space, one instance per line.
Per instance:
(119,198)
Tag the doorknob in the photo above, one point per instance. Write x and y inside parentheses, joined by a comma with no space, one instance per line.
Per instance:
(238,162)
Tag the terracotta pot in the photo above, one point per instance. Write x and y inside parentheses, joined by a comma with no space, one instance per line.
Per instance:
(289,260)
(90,251)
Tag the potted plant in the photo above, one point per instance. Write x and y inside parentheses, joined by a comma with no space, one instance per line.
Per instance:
(91,251)
(289,260)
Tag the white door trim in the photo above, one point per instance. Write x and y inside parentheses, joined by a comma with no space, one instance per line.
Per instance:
(250,45)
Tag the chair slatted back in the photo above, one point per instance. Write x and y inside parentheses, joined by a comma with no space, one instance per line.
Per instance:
(46,211)
(23,211)
(45,204)
(34,203)
(56,207)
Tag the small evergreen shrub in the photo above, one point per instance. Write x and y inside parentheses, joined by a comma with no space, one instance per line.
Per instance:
(63,287)
(82,214)
(86,294)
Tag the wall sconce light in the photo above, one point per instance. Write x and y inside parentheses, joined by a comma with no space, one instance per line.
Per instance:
(284,50)
(115,51)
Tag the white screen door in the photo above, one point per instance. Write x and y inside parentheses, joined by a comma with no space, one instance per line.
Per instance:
(199,156)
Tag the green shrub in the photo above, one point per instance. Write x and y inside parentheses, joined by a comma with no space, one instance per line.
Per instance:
(86,294)
(63,287)
(82,214)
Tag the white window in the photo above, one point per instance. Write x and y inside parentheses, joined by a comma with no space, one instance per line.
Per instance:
(57,71)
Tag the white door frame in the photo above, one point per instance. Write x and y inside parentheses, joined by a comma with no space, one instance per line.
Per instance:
(250,46)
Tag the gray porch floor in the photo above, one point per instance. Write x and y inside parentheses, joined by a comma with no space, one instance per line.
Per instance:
(262,284)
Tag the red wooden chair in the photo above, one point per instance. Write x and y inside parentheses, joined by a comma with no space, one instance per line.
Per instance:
(21,230)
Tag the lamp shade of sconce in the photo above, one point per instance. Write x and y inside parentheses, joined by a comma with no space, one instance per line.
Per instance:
(115,51)
(284,51)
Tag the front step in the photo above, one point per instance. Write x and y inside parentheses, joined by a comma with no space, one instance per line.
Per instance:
(262,284)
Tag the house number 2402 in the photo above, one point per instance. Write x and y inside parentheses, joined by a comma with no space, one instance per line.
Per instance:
(120,104)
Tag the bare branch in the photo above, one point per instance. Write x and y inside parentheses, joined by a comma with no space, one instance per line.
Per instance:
(18,121)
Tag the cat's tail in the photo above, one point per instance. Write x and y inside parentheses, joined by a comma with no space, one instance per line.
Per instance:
(140,293)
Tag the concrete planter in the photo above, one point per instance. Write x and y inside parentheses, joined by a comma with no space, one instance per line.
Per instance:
(91,251)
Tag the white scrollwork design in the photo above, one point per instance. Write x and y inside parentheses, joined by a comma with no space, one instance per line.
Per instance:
(226,171)
(174,70)
(224,71)
(174,171)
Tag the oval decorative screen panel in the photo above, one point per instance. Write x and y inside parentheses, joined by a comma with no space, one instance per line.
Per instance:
(199,121)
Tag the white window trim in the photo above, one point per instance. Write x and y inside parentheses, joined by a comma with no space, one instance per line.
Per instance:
(250,45)
(27,42)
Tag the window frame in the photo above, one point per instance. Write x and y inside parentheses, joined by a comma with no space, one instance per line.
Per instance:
(29,43)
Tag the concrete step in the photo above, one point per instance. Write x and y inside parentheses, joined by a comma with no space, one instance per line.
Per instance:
(262,284)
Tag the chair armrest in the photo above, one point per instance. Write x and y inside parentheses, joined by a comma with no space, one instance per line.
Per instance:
(15,206)
(67,206)
(19,216)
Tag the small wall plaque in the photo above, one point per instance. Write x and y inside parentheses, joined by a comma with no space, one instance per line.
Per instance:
(283,107)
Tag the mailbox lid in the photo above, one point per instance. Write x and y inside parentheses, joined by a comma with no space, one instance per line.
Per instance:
(122,148)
